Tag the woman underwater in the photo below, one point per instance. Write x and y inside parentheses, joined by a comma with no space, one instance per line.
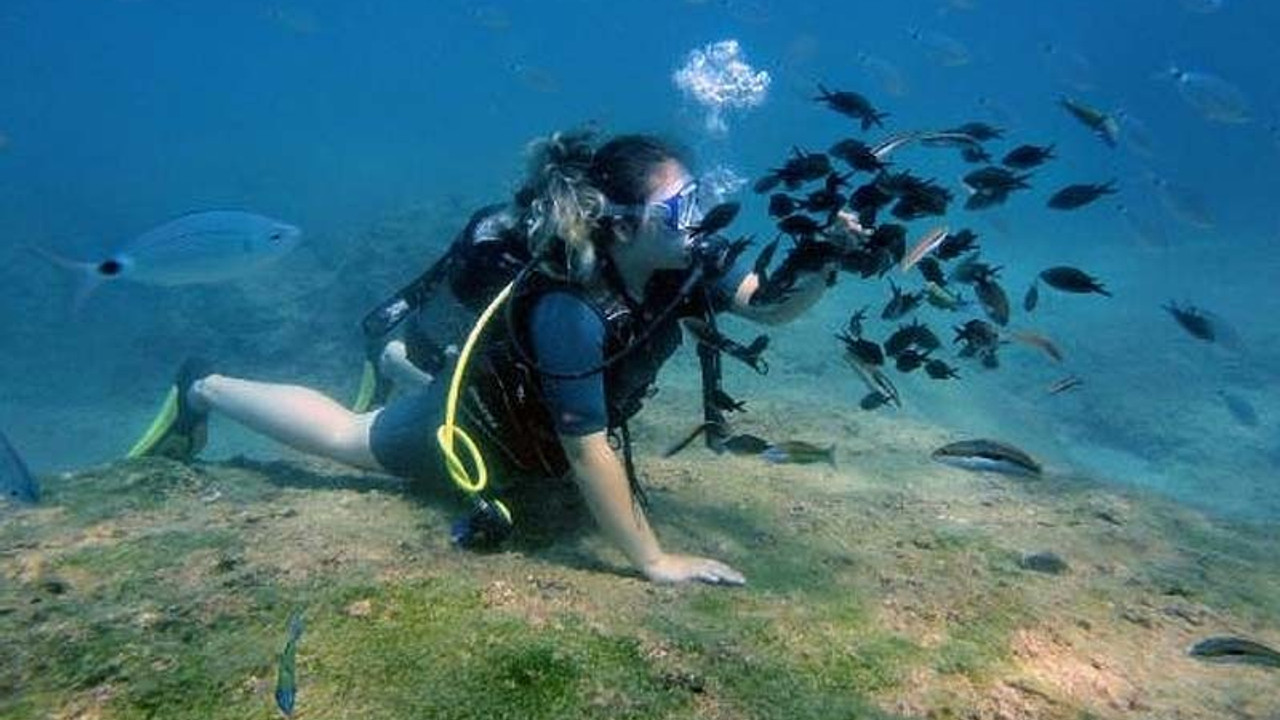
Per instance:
(610,236)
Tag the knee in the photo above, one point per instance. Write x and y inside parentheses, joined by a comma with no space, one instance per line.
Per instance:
(349,439)
(203,393)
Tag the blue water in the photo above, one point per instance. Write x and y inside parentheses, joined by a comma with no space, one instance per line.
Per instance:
(345,117)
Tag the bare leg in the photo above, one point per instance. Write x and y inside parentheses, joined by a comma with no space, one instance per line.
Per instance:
(296,416)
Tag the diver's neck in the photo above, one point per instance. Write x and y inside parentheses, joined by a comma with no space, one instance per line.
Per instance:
(635,279)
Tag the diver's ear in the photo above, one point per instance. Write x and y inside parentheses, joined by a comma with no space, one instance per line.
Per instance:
(615,230)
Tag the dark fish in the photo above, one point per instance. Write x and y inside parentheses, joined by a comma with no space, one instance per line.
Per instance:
(862,349)
(1032,298)
(891,238)
(1072,280)
(286,677)
(900,340)
(957,244)
(1062,385)
(805,167)
(922,337)
(867,201)
(781,205)
(855,321)
(917,334)
(971,269)
(723,401)
(745,444)
(1025,157)
(984,199)
(852,105)
(910,360)
(987,456)
(1077,196)
(873,400)
(981,340)
(798,452)
(1225,649)
(17,484)
(900,304)
(1193,320)
(931,270)
(1242,410)
(979,131)
(939,370)
(995,179)
(975,155)
(717,219)
(857,155)
(711,337)
(927,203)
(979,333)
(828,199)
(993,299)
(1102,124)
(684,442)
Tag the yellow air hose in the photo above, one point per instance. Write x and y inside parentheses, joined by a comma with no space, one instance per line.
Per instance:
(449,432)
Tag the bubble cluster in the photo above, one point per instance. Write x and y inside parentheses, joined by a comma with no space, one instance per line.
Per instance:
(717,78)
(720,182)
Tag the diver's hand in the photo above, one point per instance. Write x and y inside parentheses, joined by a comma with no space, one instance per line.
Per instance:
(847,232)
(683,568)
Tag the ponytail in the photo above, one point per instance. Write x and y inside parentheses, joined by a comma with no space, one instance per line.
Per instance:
(564,205)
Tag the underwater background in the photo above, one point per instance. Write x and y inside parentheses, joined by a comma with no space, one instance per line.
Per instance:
(343,117)
(378,127)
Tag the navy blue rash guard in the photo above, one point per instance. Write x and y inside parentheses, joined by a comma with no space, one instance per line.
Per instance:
(567,335)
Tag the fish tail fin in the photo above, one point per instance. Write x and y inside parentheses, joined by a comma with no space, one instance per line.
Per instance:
(86,273)
(830,454)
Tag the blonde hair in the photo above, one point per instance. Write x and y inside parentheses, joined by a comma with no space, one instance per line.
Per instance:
(565,205)
(570,184)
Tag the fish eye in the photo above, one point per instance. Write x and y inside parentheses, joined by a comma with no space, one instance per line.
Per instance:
(274,236)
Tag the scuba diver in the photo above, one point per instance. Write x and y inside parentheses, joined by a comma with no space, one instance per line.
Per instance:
(595,265)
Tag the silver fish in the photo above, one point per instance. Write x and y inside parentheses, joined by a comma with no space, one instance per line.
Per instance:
(1214,98)
(798,452)
(1226,649)
(200,247)
(923,246)
(17,484)
(987,456)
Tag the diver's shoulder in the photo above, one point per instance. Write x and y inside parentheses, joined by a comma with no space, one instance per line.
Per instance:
(493,222)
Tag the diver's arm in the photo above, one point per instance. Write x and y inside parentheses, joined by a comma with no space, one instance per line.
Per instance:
(804,294)
(808,285)
(603,482)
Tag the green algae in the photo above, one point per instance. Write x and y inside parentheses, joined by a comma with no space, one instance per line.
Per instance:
(172,604)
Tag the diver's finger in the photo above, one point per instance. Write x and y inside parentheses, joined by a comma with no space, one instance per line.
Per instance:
(720,574)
